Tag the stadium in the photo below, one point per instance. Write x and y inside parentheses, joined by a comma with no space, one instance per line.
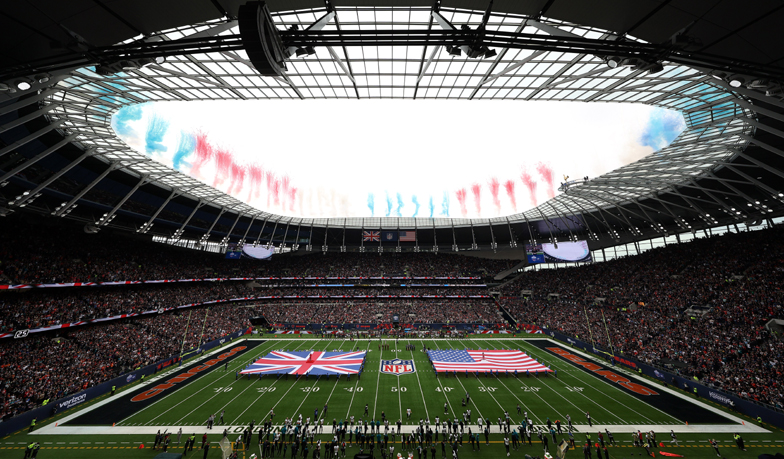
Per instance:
(250,229)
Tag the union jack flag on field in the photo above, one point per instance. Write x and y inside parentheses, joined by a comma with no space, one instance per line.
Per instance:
(483,360)
(371,236)
(307,363)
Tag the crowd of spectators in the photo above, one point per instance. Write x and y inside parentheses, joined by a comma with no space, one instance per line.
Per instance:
(30,255)
(46,307)
(40,308)
(38,368)
(419,311)
(699,308)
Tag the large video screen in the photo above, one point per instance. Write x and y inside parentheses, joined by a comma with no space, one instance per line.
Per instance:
(259,253)
(562,252)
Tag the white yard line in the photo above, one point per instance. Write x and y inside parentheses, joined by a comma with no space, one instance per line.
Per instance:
(557,393)
(257,398)
(454,415)
(337,379)
(168,395)
(354,392)
(427,415)
(629,374)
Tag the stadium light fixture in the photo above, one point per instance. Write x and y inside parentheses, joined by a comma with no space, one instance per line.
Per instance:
(736,81)
(22,85)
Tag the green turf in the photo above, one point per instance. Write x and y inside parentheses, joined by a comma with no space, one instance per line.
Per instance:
(573,392)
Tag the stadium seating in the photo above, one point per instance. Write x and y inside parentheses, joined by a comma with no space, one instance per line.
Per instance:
(650,306)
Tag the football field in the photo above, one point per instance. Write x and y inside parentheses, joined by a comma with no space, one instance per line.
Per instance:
(184,398)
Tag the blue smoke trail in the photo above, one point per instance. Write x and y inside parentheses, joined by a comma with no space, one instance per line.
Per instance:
(186,147)
(445,205)
(371,204)
(416,205)
(399,205)
(663,127)
(155,132)
(123,116)
(432,207)
(389,205)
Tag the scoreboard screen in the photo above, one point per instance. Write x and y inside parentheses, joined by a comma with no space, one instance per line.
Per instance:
(563,252)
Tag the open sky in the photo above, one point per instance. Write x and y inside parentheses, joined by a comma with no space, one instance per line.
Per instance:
(423,158)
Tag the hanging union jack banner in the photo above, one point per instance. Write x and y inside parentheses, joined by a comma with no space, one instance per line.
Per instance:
(484,360)
(315,363)
(371,236)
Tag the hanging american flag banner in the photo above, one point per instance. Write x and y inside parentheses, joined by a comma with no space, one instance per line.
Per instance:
(408,236)
(371,236)
(307,363)
(487,360)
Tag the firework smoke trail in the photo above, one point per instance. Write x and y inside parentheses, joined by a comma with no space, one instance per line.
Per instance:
(529,183)
(389,205)
(238,173)
(204,154)
(285,183)
(432,207)
(549,176)
(271,178)
(509,186)
(476,189)
(185,148)
(223,162)
(398,212)
(256,178)
(371,203)
(276,191)
(125,115)
(153,139)
(416,205)
(292,197)
(461,198)
(445,205)
(494,187)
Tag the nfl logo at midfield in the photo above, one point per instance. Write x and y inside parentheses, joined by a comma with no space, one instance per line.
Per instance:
(397,367)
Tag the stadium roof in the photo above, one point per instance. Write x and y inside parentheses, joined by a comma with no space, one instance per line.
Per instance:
(725,168)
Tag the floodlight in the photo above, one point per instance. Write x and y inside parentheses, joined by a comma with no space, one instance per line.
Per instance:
(613,61)
(23,85)
(490,53)
(42,78)
(736,81)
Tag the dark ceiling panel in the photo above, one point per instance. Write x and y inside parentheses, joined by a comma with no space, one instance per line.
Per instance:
(113,30)
(767,35)
(527,7)
(151,16)
(613,15)
(663,25)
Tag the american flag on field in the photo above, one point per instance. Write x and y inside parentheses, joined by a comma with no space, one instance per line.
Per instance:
(407,236)
(487,360)
(372,236)
(307,363)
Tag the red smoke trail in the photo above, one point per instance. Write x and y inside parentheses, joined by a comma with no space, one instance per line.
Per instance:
(276,191)
(476,189)
(494,187)
(223,162)
(509,186)
(256,176)
(204,154)
(529,183)
(270,185)
(285,183)
(547,174)
(292,197)
(461,198)
(238,173)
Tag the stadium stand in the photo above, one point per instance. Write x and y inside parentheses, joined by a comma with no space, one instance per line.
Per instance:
(699,308)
